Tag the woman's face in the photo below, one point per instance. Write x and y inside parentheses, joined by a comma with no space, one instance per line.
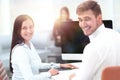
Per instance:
(27,30)
(64,15)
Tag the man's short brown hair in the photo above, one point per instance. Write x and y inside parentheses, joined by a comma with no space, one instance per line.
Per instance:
(89,5)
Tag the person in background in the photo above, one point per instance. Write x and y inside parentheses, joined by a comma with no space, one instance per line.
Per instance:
(24,60)
(64,17)
(104,47)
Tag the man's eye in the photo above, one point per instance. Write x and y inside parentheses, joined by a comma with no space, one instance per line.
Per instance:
(87,19)
(80,20)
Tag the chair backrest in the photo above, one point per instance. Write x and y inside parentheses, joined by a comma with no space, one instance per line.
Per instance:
(3,74)
(111,73)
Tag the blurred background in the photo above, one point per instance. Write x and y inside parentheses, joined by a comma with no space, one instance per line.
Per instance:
(44,13)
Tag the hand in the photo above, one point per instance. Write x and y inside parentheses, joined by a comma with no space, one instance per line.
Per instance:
(53,71)
(68,66)
(71,76)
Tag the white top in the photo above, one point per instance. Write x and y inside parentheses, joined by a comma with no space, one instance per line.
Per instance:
(26,64)
(102,51)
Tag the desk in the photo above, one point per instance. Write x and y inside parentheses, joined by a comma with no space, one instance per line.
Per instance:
(64,75)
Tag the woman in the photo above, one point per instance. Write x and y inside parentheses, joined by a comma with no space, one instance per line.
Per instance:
(64,17)
(24,60)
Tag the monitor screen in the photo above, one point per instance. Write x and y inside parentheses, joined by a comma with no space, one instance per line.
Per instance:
(108,24)
(72,37)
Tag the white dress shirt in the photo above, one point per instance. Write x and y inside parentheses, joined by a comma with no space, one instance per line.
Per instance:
(102,51)
(26,64)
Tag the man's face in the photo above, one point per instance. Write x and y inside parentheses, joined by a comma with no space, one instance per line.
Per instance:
(88,22)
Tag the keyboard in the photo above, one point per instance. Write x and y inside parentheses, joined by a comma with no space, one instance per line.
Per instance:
(60,69)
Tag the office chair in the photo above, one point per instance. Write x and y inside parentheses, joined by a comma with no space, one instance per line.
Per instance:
(111,73)
(3,74)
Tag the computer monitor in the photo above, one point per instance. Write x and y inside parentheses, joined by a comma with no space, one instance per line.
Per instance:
(108,24)
(73,39)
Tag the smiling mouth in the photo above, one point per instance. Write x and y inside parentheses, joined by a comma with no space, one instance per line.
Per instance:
(28,35)
(86,28)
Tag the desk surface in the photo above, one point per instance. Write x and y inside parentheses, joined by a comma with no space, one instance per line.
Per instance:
(64,75)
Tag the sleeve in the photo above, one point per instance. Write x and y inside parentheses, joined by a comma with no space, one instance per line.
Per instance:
(89,66)
(49,65)
(41,65)
(54,30)
(22,60)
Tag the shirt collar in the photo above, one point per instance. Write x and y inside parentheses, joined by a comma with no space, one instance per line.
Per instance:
(98,31)
(25,45)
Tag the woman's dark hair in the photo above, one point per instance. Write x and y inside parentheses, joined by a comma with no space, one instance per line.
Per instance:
(64,9)
(16,37)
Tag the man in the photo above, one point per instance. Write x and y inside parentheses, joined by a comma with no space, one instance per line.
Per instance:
(104,47)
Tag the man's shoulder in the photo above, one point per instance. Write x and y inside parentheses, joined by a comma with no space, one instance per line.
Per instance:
(110,33)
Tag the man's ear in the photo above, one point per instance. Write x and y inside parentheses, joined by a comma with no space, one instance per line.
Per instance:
(99,18)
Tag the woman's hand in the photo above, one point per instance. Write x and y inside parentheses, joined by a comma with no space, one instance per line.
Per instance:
(53,71)
(68,66)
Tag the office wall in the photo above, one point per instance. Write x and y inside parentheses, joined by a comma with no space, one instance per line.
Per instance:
(117,15)
(4,17)
(44,14)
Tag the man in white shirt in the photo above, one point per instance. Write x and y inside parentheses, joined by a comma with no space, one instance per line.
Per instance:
(104,47)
